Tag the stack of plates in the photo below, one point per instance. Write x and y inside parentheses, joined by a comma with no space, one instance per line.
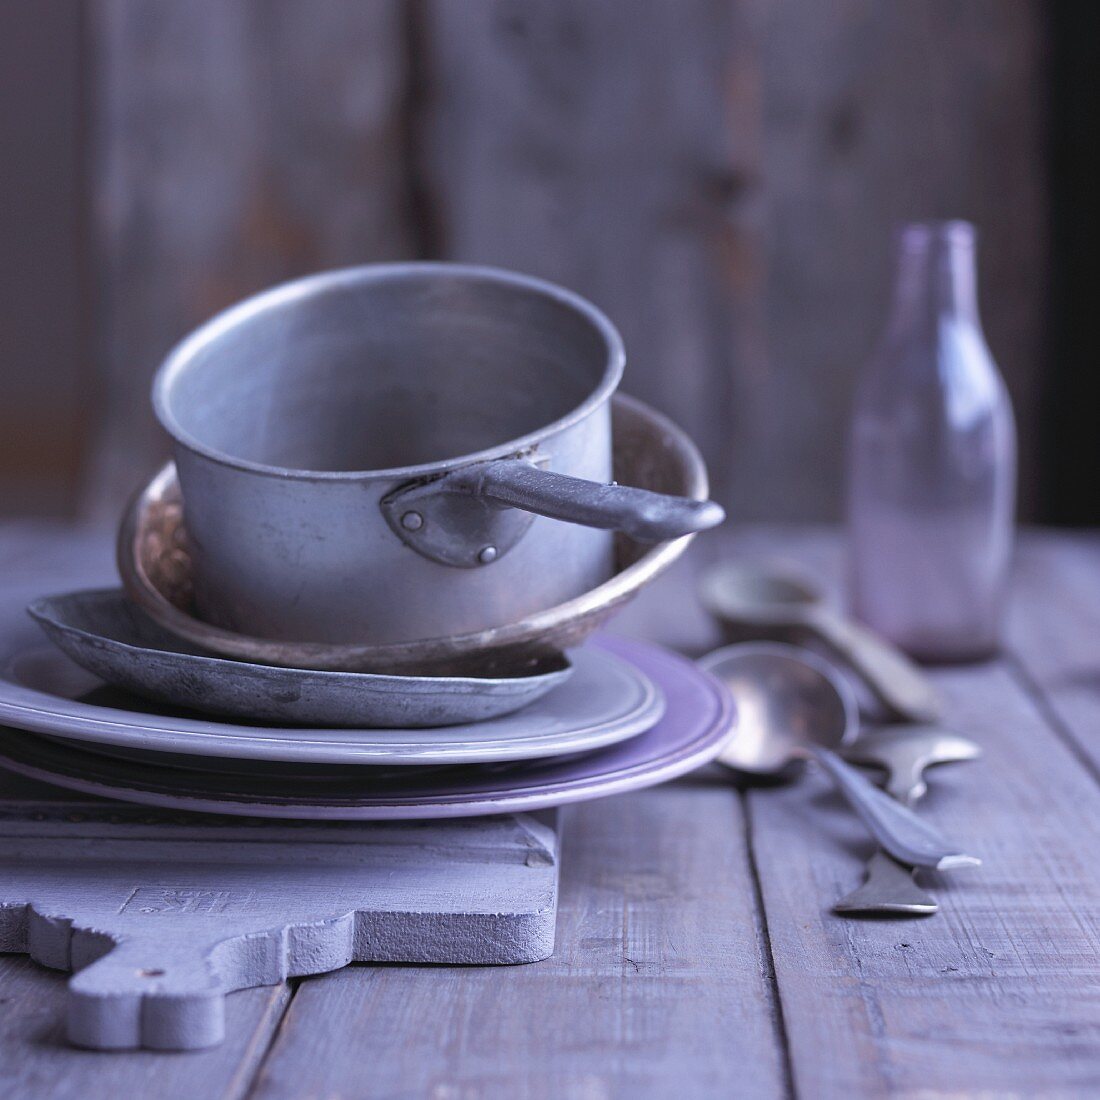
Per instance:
(139,698)
(615,716)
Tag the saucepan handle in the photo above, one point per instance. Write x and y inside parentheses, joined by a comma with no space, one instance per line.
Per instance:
(639,513)
(473,516)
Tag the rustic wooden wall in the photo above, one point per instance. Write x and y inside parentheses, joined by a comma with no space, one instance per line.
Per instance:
(43,334)
(722,176)
(237,143)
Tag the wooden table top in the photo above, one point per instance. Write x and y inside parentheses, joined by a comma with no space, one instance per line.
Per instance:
(697,954)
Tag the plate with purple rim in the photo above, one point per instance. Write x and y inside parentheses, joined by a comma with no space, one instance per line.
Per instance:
(697,721)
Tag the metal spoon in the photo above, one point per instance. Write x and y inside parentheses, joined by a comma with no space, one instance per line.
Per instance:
(790,704)
(752,602)
(904,752)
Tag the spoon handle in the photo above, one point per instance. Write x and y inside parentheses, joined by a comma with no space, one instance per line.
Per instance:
(895,681)
(888,890)
(904,752)
(895,827)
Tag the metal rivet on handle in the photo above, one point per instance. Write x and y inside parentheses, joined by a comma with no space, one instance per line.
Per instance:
(412,521)
(487,554)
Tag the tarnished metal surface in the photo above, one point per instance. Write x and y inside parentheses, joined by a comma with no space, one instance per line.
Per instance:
(605,701)
(108,635)
(472,516)
(649,451)
(791,703)
(755,602)
(296,414)
(444,523)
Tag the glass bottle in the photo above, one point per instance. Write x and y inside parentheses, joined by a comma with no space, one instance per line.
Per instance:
(932,462)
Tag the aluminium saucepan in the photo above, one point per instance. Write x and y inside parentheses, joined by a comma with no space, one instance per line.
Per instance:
(397,452)
(154,561)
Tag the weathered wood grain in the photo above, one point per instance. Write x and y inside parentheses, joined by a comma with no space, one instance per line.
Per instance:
(160,921)
(238,143)
(724,180)
(610,147)
(43,287)
(872,114)
(722,177)
(37,1064)
(659,985)
(999,994)
(662,981)
(1054,633)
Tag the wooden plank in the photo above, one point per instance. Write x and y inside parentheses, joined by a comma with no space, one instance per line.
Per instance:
(239,143)
(610,147)
(659,985)
(670,613)
(724,179)
(78,556)
(43,353)
(35,1060)
(997,995)
(873,114)
(1054,627)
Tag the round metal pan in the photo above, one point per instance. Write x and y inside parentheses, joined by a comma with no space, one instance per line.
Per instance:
(155,561)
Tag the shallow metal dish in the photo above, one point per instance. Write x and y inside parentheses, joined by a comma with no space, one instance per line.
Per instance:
(108,635)
(696,725)
(649,451)
(605,701)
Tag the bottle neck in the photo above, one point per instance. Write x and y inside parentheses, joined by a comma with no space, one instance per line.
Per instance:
(936,277)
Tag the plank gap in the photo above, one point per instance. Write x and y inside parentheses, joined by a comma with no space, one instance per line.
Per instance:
(289,990)
(1031,687)
(764,943)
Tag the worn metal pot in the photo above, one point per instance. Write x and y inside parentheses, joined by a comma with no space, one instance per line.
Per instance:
(386,453)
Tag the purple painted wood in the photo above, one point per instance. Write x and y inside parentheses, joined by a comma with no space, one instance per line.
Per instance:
(161,916)
(287,156)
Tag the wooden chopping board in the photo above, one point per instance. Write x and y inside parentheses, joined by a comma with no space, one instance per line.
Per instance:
(160,915)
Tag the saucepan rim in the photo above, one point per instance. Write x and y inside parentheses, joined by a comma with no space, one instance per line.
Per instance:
(315,285)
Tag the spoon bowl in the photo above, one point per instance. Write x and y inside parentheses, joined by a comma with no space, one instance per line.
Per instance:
(754,602)
(790,704)
(785,698)
(736,593)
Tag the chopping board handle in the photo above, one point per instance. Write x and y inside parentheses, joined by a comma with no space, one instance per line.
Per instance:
(147,993)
